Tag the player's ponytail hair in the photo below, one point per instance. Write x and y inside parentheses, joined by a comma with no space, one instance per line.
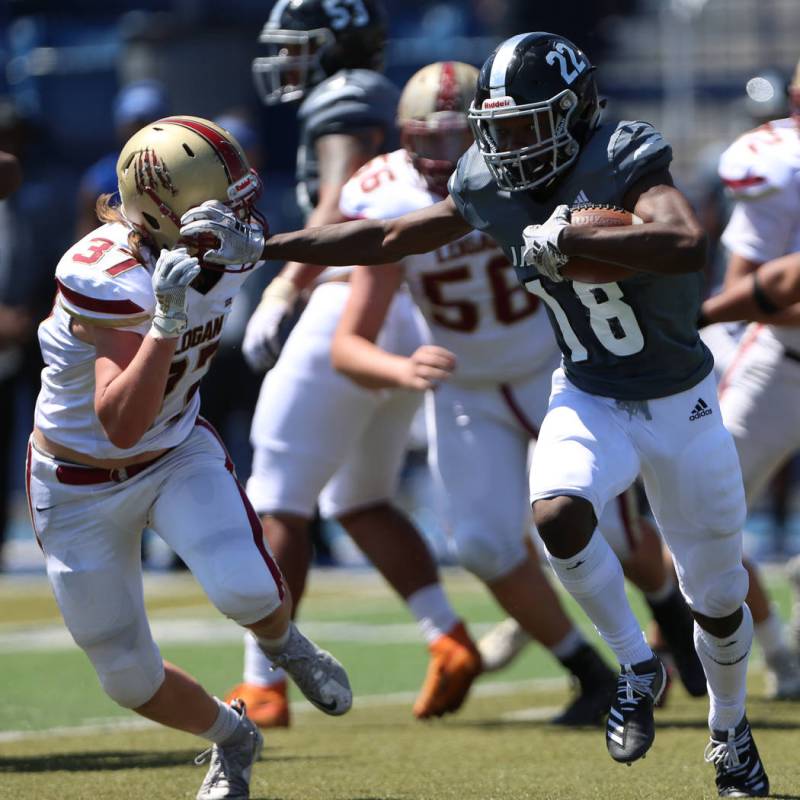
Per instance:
(108,211)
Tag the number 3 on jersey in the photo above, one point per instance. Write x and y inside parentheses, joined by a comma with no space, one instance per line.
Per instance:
(612,320)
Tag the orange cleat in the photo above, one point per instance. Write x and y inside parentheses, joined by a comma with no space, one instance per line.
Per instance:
(267,706)
(455,663)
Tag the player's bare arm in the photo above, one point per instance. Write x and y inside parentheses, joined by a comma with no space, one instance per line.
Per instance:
(354,351)
(671,240)
(370,241)
(130,376)
(770,294)
(339,156)
(738,267)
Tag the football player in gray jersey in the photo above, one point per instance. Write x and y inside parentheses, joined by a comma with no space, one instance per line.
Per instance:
(327,53)
(635,392)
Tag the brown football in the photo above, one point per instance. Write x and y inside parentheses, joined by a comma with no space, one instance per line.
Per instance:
(587,270)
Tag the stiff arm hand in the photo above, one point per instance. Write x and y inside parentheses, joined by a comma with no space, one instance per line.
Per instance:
(237,242)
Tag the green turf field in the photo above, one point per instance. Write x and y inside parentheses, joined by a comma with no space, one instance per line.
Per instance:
(60,737)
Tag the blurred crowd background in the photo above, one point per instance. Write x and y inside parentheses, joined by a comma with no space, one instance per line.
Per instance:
(77,78)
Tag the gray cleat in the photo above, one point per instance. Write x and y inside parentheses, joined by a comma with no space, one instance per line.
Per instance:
(783,676)
(318,675)
(228,776)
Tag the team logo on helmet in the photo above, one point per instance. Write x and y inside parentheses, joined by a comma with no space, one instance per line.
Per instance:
(150,172)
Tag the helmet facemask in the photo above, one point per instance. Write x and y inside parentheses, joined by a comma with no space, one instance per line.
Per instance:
(526,146)
(292,64)
(435,145)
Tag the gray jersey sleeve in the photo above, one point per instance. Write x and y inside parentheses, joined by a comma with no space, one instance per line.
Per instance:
(347,101)
(470,178)
(635,150)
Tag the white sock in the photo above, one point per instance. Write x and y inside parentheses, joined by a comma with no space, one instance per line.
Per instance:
(226,727)
(725,664)
(568,646)
(769,634)
(433,611)
(594,578)
(659,595)
(257,666)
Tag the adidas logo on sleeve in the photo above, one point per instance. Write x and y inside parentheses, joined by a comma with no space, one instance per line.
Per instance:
(700,409)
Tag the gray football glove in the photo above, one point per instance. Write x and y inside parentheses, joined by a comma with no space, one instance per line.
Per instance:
(175,270)
(237,242)
(266,331)
(541,244)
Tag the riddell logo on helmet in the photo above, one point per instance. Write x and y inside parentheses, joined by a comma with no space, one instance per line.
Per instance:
(244,186)
(492,103)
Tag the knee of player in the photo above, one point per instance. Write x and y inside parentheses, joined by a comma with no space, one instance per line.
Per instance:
(563,516)
(486,554)
(246,598)
(725,595)
(130,676)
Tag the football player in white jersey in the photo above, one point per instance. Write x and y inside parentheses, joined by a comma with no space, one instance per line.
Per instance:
(118,445)
(345,454)
(483,419)
(762,171)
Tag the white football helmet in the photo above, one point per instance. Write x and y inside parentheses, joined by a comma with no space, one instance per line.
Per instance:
(177,163)
(432,116)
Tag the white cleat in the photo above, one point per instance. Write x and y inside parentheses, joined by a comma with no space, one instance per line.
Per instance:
(502,644)
(228,776)
(318,675)
(783,676)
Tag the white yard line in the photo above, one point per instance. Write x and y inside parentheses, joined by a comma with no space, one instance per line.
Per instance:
(20,639)
(114,725)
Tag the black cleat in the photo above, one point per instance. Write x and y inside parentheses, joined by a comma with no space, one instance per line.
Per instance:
(597,685)
(630,729)
(735,757)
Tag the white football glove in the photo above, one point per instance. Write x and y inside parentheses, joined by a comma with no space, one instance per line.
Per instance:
(541,244)
(265,335)
(175,270)
(237,242)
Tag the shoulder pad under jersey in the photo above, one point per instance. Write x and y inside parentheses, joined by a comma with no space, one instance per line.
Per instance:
(100,281)
(636,149)
(470,177)
(347,101)
(761,161)
(384,188)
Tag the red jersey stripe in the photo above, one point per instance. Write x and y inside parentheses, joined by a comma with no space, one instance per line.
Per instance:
(98,305)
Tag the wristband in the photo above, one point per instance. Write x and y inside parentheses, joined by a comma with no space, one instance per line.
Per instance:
(761,299)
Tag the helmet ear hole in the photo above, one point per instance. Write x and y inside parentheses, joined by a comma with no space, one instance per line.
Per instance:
(151,221)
